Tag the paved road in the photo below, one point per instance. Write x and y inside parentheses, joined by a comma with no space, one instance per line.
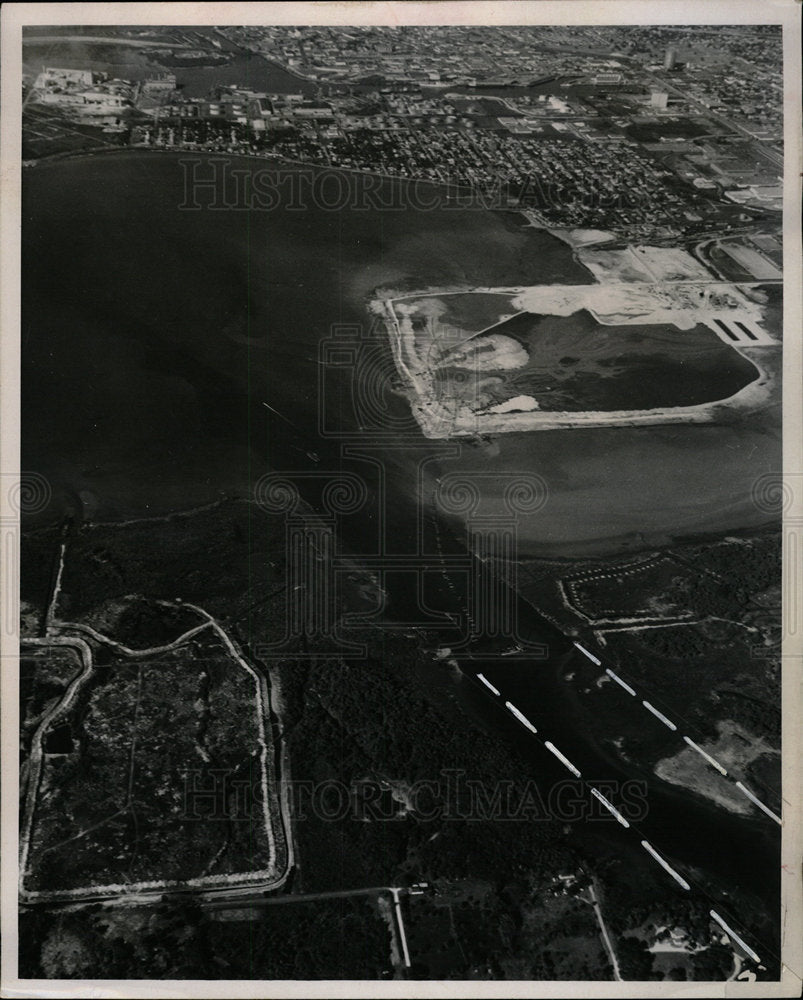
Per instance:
(84,654)
(59,635)
(261,900)
(594,902)
(776,158)
(260,897)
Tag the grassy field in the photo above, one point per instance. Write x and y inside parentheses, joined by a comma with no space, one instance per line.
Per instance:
(163,782)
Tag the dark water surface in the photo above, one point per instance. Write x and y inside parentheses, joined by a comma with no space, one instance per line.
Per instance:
(152,335)
(576,363)
(244,69)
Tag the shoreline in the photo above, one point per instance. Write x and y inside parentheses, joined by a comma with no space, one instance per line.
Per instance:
(437,423)
(599,549)
(460,197)
(622,534)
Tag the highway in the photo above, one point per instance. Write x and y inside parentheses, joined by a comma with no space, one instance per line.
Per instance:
(660,715)
(665,864)
(611,808)
(696,841)
(652,851)
(521,717)
(709,759)
(664,719)
(770,154)
(562,758)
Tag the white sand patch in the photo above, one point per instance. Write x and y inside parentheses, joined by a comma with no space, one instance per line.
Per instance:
(488,353)
(736,748)
(683,305)
(582,237)
(640,263)
(444,415)
(518,404)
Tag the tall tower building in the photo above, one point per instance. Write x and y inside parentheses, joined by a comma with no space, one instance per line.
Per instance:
(671,58)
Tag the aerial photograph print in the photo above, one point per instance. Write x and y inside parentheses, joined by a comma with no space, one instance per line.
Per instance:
(403,536)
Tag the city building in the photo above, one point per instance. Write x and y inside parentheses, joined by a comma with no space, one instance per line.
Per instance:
(158,86)
(53,77)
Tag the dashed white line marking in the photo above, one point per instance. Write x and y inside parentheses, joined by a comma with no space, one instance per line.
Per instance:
(708,757)
(611,809)
(665,864)
(521,717)
(620,682)
(487,683)
(564,760)
(659,715)
(758,802)
(732,933)
(591,656)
